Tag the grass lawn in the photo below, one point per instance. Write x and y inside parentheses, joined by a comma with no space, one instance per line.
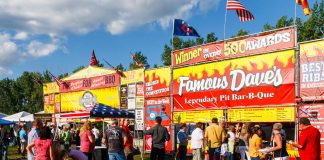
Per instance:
(13,153)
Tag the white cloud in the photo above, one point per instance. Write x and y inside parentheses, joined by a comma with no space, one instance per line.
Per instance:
(83,16)
(4,72)
(8,50)
(21,36)
(38,49)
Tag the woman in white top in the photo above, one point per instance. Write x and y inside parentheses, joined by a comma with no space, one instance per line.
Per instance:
(197,142)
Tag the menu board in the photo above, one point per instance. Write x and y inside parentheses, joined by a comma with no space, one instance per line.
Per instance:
(197,116)
(271,114)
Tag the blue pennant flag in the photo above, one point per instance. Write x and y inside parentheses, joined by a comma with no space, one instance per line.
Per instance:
(181,28)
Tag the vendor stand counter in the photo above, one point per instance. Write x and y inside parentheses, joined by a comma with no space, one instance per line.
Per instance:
(100,152)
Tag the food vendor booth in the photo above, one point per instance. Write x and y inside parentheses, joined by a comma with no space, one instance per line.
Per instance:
(247,79)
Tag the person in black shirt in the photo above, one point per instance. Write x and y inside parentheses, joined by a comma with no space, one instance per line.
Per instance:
(159,135)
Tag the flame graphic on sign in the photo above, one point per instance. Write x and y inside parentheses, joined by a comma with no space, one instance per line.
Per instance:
(312,49)
(252,64)
(161,74)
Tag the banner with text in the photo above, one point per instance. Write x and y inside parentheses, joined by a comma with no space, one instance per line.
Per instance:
(52,103)
(204,116)
(133,76)
(315,113)
(105,81)
(268,114)
(49,88)
(84,100)
(255,44)
(312,70)
(157,82)
(157,107)
(250,81)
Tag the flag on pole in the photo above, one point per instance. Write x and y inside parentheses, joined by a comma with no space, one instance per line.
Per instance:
(181,28)
(119,72)
(138,64)
(242,12)
(57,80)
(93,60)
(305,6)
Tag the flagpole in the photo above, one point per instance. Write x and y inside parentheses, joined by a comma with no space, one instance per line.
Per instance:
(295,14)
(225,21)
(171,90)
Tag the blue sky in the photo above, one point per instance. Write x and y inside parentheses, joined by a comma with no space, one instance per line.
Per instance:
(36,35)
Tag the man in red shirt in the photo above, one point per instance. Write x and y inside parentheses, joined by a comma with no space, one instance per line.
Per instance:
(309,141)
(128,144)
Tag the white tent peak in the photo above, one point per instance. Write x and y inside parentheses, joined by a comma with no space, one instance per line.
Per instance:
(16,117)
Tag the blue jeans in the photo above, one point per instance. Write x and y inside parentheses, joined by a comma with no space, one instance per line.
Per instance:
(255,158)
(213,151)
(4,151)
(230,156)
(117,156)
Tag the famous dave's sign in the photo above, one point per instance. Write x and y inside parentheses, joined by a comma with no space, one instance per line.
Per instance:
(256,80)
(157,82)
(312,70)
(262,43)
(105,81)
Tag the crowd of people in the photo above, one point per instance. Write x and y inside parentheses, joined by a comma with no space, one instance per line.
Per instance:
(219,141)
(246,140)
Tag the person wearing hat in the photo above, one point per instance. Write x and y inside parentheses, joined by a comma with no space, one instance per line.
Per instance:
(114,138)
(309,146)
(182,139)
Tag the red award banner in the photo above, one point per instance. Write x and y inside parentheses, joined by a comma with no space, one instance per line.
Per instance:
(266,79)
(255,44)
(312,70)
(105,81)
(315,113)
(157,82)
(157,107)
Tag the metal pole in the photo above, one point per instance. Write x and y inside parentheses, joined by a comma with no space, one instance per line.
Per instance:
(171,92)
(225,21)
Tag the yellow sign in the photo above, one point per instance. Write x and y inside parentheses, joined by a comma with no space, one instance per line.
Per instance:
(271,114)
(81,100)
(49,88)
(197,116)
(312,49)
(133,76)
(91,71)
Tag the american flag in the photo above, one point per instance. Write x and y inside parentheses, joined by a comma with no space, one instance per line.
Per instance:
(241,11)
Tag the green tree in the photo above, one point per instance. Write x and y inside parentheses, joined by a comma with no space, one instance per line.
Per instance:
(284,22)
(313,27)
(166,55)
(78,69)
(199,41)
(120,67)
(267,27)
(211,38)
(155,66)
(141,59)
(63,75)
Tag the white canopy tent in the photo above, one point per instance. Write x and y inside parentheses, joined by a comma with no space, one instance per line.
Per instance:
(29,118)
(16,117)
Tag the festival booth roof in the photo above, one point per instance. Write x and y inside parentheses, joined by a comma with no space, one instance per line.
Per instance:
(3,115)
(5,122)
(16,117)
(90,71)
(29,118)
(104,111)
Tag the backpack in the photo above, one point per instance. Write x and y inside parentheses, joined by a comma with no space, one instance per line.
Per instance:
(115,139)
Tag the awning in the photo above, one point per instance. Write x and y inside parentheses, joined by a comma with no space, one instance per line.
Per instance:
(104,111)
